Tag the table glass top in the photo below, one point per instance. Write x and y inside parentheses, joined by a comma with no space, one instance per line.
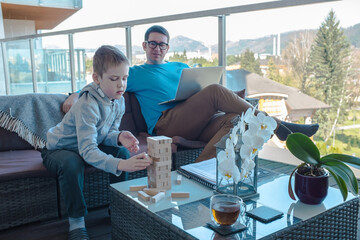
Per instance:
(192,214)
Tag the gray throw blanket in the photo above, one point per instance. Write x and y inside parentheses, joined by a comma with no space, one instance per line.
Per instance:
(31,115)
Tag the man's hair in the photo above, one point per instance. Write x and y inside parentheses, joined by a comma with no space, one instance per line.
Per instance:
(107,56)
(158,29)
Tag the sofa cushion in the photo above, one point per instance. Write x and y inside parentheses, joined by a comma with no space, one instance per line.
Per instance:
(127,121)
(240,93)
(21,164)
(12,141)
(137,115)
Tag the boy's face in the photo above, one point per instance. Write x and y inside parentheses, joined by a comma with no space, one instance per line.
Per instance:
(114,81)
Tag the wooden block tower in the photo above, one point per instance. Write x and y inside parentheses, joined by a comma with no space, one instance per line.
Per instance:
(159,173)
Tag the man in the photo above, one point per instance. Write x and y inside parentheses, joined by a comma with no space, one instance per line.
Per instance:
(198,117)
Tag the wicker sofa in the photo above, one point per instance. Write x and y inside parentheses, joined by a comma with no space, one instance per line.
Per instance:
(29,193)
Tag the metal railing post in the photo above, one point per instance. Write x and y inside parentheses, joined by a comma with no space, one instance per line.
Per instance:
(6,68)
(32,63)
(222,46)
(72,62)
(128,44)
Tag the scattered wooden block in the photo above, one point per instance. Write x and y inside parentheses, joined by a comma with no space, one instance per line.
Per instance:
(157,197)
(152,191)
(180,194)
(143,196)
(178,179)
(137,188)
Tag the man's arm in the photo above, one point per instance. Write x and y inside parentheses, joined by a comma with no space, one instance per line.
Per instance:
(70,101)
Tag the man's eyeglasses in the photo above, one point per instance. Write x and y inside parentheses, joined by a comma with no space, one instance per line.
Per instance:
(153,45)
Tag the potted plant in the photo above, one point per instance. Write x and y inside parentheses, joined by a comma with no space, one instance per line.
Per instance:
(311,177)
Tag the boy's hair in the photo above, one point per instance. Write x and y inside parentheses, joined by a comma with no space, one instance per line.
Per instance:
(107,56)
(158,29)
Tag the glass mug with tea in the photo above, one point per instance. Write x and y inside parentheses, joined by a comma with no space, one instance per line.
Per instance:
(226,208)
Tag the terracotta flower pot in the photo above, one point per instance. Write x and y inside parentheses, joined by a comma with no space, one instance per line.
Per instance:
(311,189)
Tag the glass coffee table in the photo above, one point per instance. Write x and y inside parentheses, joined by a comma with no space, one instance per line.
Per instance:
(186,218)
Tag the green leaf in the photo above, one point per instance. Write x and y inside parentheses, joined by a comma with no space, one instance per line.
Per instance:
(340,182)
(303,148)
(344,158)
(342,171)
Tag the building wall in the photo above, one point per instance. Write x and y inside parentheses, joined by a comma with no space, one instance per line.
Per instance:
(16,28)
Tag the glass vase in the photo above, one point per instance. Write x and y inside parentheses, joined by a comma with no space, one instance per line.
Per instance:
(246,188)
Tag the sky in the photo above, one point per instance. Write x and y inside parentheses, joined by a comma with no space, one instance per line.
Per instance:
(239,26)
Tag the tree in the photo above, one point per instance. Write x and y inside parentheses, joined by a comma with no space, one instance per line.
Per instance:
(179,57)
(232,59)
(328,67)
(201,61)
(296,57)
(273,73)
(249,63)
(353,86)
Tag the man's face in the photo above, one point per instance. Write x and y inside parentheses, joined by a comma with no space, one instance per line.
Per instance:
(156,55)
(113,83)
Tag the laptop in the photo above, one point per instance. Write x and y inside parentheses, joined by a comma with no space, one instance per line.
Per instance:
(192,80)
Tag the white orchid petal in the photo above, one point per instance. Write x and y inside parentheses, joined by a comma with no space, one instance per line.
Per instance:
(251,166)
(221,156)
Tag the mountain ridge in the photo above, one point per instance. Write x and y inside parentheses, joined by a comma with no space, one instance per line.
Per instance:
(262,45)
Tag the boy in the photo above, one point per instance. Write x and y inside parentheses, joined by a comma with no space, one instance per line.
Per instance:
(88,134)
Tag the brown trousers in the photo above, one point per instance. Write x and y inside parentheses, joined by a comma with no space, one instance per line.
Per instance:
(205,116)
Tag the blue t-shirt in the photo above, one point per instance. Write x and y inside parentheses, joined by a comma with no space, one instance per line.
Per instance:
(153,84)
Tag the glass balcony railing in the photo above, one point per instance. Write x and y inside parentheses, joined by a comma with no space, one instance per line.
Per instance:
(33,64)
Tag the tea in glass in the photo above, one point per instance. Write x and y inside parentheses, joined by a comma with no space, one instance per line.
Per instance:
(225,209)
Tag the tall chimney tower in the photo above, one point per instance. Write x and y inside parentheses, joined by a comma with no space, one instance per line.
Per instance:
(274,46)
(278,45)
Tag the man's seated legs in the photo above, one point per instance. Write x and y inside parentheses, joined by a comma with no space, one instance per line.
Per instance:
(218,127)
(189,119)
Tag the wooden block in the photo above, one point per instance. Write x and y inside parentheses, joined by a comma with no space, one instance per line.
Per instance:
(178,179)
(137,187)
(162,158)
(159,139)
(180,194)
(153,191)
(164,176)
(159,152)
(162,164)
(144,196)
(157,197)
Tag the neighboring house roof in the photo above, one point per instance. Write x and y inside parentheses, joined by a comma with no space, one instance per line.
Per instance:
(257,86)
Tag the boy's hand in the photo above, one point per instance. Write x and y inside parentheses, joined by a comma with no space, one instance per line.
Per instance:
(128,140)
(69,102)
(135,163)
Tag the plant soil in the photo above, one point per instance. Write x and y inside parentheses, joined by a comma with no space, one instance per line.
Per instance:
(307,171)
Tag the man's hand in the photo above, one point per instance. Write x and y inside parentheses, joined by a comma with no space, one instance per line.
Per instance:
(135,163)
(71,100)
(128,140)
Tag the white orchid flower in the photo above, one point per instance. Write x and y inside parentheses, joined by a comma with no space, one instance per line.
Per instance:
(234,134)
(227,166)
(247,168)
(267,126)
(249,115)
(242,124)
(252,144)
